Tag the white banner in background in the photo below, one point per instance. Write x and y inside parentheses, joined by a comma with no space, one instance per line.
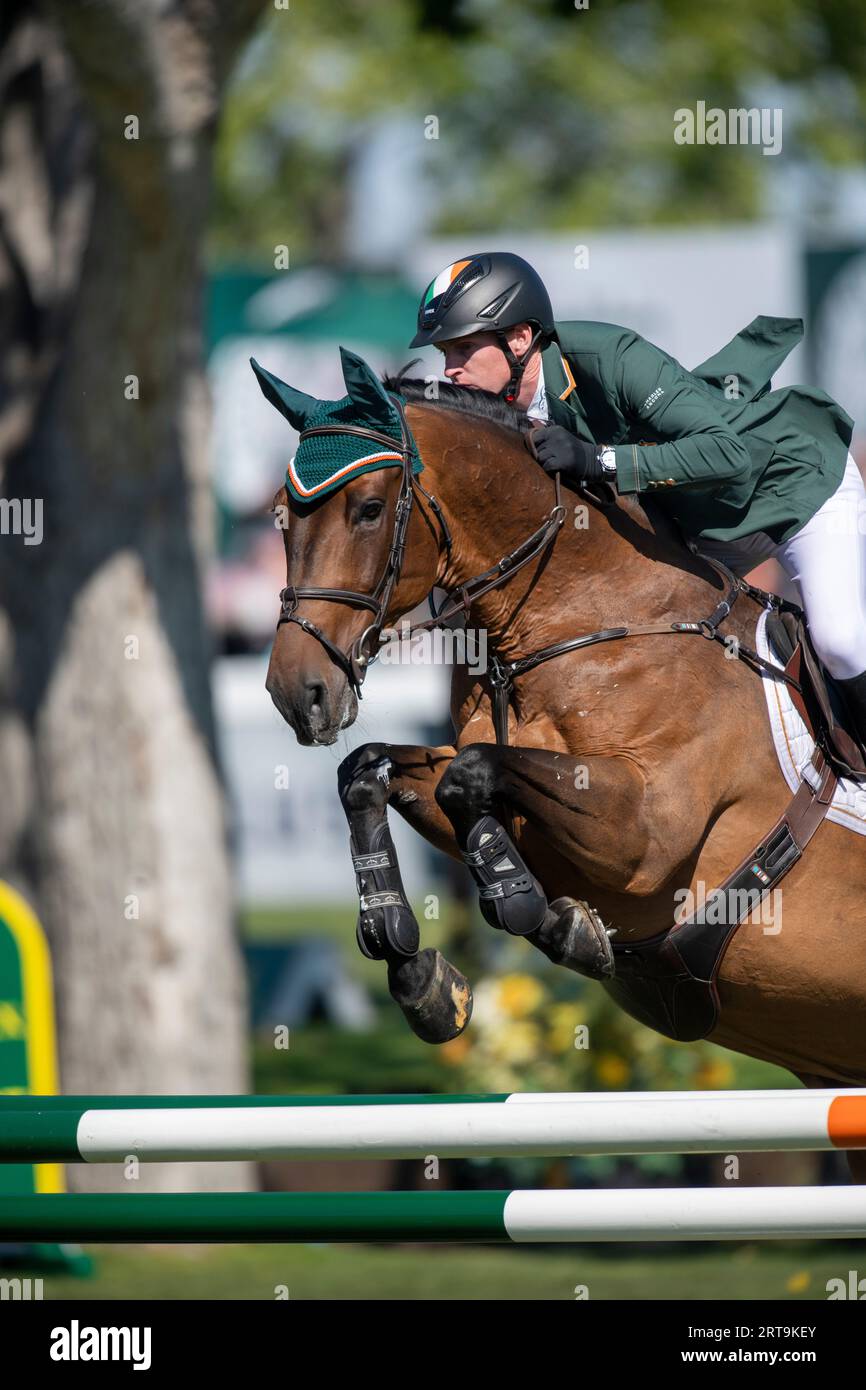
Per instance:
(292,843)
(688,290)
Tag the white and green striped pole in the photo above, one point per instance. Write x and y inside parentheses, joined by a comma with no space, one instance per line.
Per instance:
(729,1213)
(166,1129)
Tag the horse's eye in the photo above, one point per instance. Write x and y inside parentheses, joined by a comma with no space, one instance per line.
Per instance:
(372,510)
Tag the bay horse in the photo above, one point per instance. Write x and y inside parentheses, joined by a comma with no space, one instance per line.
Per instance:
(633,769)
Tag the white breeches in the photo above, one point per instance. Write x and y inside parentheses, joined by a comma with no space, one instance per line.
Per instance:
(827,559)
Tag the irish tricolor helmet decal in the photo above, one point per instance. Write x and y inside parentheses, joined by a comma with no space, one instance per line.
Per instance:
(457,275)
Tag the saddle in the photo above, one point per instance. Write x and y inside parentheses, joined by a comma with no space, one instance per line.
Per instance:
(818,701)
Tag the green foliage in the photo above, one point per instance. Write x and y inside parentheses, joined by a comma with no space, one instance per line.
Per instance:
(549,116)
(322,1060)
(534,1028)
(543,1030)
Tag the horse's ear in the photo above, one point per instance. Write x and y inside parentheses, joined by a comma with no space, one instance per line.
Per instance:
(295,405)
(365,388)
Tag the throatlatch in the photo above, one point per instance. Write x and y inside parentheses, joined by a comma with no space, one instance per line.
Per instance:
(510,897)
(386,923)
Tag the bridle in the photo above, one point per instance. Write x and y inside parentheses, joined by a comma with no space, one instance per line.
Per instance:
(355,660)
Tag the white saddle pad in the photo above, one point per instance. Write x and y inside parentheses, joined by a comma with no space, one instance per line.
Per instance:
(794,745)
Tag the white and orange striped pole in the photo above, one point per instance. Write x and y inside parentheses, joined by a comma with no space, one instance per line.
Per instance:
(175,1128)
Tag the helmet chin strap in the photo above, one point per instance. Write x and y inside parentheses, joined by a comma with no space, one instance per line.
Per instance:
(518,365)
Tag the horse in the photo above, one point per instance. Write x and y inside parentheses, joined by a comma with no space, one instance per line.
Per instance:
(627,774)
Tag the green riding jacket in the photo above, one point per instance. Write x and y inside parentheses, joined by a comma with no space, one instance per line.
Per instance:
(730,457)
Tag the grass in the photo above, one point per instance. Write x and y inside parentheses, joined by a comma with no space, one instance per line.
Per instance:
(783,1270)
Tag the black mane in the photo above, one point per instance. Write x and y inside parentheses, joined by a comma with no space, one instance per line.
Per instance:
(483,404)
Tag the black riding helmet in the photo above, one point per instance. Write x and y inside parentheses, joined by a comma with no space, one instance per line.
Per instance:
(487,293)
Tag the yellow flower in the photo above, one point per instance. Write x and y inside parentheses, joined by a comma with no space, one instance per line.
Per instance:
(798,1283)
(567,1014)
(612,1070)
(713,1075)
(563,1020)
(520,1042)
(519,995)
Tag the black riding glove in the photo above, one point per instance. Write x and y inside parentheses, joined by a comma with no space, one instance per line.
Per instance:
(558,451)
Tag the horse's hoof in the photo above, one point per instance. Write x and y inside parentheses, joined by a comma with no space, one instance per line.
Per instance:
(572,934)
(435,998)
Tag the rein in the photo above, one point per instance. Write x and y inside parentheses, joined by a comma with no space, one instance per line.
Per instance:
(503,674)
(356,659)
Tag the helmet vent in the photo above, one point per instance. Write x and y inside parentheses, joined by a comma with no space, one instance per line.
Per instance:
(493,310)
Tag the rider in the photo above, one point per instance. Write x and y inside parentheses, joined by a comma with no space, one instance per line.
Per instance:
(746,472)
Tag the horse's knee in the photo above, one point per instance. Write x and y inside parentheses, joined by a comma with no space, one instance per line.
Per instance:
(364,776)
(469,781)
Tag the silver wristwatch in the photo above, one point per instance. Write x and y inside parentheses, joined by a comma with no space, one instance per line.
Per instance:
(607,459)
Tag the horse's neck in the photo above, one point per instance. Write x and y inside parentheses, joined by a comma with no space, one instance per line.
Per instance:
(495,497)
(607,565)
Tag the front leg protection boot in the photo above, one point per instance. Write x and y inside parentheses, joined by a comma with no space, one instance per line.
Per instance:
(387,929)
(510,898)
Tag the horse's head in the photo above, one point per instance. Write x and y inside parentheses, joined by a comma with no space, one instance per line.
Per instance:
(346,511)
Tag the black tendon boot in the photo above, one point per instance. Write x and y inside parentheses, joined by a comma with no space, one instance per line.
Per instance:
(435,998)
(854,694)
(387,928)
(510,897)
(569,933)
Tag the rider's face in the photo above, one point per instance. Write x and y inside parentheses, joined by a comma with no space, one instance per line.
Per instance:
(478,361)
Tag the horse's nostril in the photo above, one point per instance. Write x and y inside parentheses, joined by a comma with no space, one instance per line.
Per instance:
(315,698)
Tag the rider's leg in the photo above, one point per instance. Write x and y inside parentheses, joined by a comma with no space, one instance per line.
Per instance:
(827,558)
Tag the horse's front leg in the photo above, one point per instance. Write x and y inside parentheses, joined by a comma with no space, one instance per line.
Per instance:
(582,827)
(434,997)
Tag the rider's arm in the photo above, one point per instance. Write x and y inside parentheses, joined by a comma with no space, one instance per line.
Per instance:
(696,444)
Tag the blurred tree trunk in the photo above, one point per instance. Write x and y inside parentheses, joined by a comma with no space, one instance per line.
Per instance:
(112,814)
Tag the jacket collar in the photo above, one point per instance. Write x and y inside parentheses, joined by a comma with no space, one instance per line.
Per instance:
(563,399)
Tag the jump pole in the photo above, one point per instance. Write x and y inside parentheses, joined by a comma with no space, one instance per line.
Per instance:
(520,1217)
(190,1128)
